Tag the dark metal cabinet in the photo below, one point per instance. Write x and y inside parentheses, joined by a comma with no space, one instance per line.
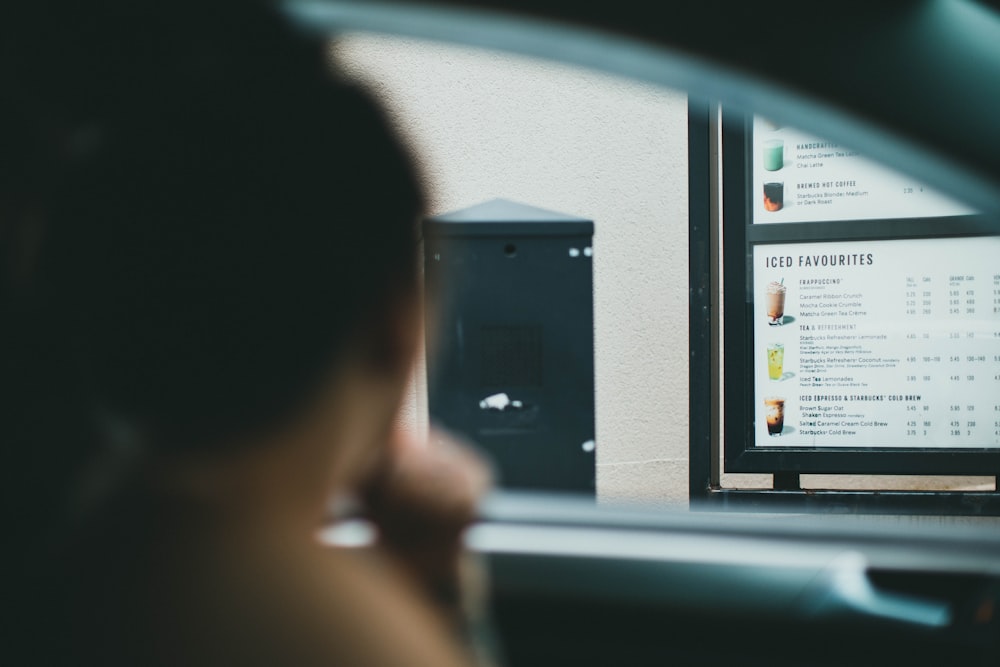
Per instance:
(511,343)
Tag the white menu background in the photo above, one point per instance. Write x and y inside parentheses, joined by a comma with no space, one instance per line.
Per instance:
(824,181)
(887,343)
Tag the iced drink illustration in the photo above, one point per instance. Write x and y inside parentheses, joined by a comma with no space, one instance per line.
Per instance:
(774,412)
(775,303)
(775,360)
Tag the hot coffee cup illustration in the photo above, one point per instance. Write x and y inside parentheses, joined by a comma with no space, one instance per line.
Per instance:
(774,196)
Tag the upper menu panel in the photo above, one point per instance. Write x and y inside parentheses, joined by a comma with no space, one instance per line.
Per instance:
(801,178)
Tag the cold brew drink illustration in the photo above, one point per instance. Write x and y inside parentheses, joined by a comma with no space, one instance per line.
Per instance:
(775,360)
(774,413)
(776,303)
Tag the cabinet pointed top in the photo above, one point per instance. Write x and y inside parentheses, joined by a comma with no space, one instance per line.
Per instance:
(497,217)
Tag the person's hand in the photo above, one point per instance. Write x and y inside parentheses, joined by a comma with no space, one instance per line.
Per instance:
(422,498)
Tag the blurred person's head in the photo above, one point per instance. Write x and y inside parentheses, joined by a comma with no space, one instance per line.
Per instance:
(201,226)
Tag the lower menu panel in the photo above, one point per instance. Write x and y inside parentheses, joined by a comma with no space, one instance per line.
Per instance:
(877,343)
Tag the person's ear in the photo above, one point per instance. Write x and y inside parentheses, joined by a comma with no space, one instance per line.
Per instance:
(394,337)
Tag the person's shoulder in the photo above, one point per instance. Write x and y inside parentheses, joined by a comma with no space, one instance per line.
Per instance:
(323,606)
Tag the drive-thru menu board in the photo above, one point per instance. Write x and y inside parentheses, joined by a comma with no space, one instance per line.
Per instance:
(892,343)
(877,343)
(861,314)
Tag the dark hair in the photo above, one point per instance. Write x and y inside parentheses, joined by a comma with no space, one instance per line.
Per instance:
(196,215)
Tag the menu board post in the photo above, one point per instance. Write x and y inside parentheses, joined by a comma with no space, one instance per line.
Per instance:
(703,388)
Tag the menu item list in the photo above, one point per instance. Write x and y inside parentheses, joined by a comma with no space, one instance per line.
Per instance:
(878,343)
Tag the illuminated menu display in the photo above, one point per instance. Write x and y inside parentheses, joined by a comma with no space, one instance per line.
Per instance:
(801,178)
(886,343)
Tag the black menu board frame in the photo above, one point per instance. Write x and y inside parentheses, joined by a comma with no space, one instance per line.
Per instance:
(743,452)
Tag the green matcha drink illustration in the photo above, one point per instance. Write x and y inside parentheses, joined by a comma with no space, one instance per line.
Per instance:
(774,154)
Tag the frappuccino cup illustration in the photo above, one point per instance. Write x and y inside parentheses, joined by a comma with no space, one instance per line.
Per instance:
(776,303)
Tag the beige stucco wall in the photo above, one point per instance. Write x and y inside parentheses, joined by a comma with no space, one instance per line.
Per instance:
(487,124)
(491,125)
